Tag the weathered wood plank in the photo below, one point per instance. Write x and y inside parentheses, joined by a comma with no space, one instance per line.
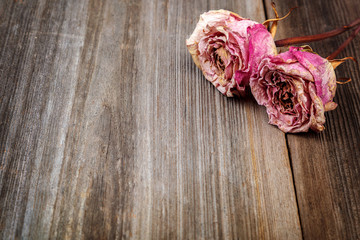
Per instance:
(326,165)
(40,49)
(108,130)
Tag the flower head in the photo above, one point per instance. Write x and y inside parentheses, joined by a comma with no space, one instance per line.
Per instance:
(296,87)
(227,47)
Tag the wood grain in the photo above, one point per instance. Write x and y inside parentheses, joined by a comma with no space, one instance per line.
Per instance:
(108,130)
(326,165)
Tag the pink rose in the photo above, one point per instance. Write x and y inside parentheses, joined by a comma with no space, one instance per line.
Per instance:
(296,87)
(226,47)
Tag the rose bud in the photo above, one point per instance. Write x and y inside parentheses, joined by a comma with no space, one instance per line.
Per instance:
(296,87)
(226,47)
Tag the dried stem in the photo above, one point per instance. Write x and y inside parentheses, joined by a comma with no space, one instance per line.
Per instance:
(316,37)
(347,41)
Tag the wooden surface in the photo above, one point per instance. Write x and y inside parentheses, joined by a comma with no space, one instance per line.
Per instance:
(326,166)
(109,131)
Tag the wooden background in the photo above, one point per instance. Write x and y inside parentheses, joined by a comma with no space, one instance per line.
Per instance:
(109,131)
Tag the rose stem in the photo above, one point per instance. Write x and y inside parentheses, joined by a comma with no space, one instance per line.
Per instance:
(316,37)
(347,41)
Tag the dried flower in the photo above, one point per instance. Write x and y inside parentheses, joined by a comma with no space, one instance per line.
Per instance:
(296,87)
(226,47)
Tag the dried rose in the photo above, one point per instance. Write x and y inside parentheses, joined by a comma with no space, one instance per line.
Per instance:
(296,87)
(226,47)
